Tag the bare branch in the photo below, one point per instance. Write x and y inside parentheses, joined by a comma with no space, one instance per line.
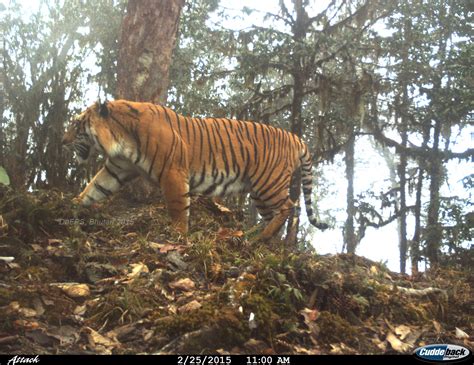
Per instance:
(416,151)
(287,13)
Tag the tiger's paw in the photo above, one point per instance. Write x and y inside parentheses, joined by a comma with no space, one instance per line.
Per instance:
(77,201)
(252,234)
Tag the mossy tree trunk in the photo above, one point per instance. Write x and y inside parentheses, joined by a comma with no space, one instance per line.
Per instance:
(350,238)
(299,79)
(415,242)
(433,227)
(149,31)
(402,170)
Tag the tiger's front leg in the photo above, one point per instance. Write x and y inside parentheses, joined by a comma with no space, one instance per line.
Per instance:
(175,188)
(108,180)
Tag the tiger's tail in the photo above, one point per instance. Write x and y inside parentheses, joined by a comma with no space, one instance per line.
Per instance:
(307,184)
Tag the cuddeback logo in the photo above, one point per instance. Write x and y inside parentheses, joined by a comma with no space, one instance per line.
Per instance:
(441,353)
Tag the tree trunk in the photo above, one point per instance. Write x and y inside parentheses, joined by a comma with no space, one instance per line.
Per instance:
(403,244)
(403,203)
(434,231)
(2,110)
(433,228)
(389,158)
(55,164)
(149,31)
(415,242)
(17,163)
(349,231)
(299,32)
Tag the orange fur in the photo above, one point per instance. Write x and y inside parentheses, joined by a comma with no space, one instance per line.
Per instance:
(209,156)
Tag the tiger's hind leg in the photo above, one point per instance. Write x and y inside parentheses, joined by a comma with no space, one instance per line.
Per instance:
(279,208)
(277,221)
(265,213)
(175,188)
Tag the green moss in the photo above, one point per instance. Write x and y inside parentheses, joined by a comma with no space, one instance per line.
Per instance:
(262,308)
(221,328)
(180,323)
(334,329)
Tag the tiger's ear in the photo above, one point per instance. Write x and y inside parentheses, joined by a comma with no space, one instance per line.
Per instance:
(103,109)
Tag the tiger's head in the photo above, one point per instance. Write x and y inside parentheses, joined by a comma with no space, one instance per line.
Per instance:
(79,135)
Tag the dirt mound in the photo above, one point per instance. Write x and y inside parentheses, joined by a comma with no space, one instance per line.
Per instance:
(118,279)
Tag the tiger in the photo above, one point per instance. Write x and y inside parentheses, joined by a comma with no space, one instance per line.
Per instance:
(187,155)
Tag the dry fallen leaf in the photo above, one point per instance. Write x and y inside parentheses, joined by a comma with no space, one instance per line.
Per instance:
(47,301)
(80,310)
(225,233)
(75,290)
(137,269)
(54,241)
(147,334)
(402,331)
(169,296)
(216,269)
(26,324)
(382,345)
(156,246)
(437,327)
(183,284)
(170,247)
(100,343)
(396,344)
(3,224)
(172,309)
(189,307)
(13,306)
(341,349)
(27,312)
(222,208)
(165,247)
(461,334)
(13,265)
(309,314)
(305,351)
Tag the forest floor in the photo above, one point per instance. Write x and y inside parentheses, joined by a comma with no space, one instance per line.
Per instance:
(117,279)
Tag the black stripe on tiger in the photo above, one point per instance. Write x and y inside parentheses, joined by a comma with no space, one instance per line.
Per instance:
(113,174)
(103,190)
(211,156)
(307,182)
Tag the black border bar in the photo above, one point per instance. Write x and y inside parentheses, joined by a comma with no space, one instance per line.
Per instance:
(213,359)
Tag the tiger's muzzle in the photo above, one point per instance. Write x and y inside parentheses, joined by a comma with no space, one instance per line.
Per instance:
(81,147)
